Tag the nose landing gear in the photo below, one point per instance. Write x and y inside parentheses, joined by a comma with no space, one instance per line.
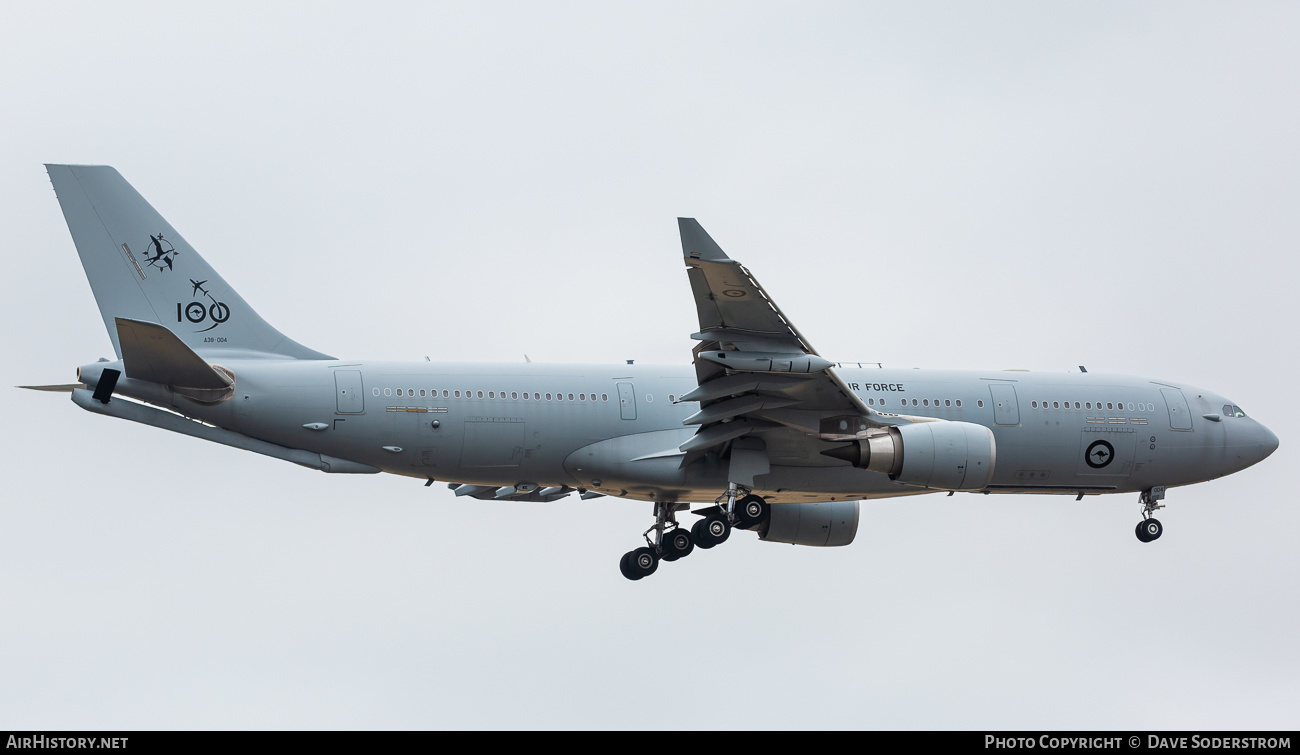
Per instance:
(1150,528)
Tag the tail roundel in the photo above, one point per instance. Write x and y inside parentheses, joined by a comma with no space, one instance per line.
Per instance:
(141,269)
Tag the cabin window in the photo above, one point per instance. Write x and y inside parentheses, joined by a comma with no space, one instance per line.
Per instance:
(871,402)
(548,397)
(1076,404)
(457,394)
(959,403)
(570,396)
(1056,404)
(672,398)
(947,402)
(882,402)
(980,403)
(925,402)
(1109,405)
(388,391)
(1033,404)
(375,391)
(515,395)
(604,397)
(913,402)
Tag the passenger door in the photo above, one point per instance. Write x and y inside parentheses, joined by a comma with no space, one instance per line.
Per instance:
(1006,408)
(1180,416)
(349,392)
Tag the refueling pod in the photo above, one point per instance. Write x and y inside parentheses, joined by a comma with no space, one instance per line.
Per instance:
(939,455)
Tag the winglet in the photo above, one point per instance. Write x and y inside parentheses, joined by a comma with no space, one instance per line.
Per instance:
(697,244)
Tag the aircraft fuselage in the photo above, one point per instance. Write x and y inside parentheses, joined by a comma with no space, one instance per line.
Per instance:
(616,429)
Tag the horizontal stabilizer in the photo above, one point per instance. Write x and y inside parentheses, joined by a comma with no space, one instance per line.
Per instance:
(54,388)
(153,353)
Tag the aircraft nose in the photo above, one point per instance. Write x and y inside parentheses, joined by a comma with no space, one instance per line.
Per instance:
(1268,442)
(1260,445)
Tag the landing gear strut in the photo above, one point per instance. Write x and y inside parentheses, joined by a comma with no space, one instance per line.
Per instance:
(1150,528)
(665,541)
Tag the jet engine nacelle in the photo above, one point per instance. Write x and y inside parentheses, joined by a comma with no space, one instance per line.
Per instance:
(940,455)
(814,523)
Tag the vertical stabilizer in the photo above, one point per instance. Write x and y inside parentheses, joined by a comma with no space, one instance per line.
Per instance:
(141,269)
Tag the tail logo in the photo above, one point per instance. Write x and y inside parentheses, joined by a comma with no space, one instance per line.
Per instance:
(197,312)
(164,254)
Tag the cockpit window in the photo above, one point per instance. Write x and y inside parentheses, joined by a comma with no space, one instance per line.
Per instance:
(1230,410)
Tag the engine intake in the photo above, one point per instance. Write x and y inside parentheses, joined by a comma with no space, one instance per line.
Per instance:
(940,455)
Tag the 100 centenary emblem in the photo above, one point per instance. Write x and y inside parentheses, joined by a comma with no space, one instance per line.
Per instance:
(198,312)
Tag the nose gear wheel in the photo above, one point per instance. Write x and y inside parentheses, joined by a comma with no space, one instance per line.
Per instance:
(1150,528)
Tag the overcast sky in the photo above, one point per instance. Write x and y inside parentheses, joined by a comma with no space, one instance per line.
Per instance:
(967,185)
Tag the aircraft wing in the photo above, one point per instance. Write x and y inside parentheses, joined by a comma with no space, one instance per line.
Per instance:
(761,386)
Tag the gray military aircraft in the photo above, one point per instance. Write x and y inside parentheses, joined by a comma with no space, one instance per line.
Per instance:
(774,437)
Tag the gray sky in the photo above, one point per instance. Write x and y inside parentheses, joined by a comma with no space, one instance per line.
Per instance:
(993,185)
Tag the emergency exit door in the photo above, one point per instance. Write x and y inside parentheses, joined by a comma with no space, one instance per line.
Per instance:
(626,401)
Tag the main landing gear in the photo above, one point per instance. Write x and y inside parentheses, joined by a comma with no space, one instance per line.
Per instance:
(1150,528)
(666,540)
